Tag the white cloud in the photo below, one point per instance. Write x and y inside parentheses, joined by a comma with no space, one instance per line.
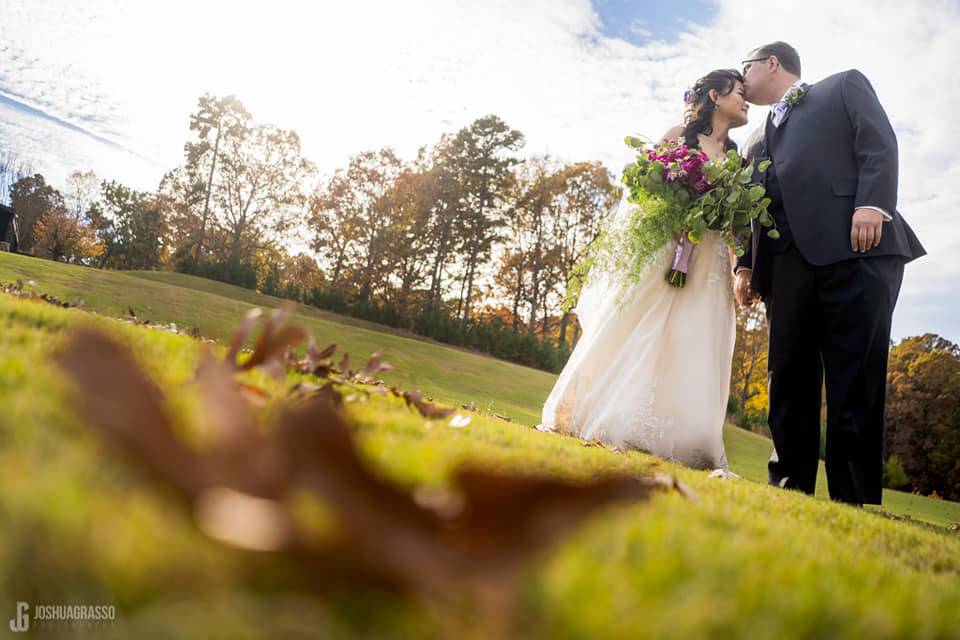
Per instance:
(365,74)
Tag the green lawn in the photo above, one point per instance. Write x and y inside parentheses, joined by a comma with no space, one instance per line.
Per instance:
(446,373)
(745,560)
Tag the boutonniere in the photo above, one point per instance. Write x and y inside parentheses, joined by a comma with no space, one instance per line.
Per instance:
(795,95)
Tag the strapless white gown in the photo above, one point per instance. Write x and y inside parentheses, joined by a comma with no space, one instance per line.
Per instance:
(653,374)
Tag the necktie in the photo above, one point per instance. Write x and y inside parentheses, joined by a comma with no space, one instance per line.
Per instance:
(779,112)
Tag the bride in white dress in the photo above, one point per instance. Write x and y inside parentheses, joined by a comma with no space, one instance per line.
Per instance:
(654,373)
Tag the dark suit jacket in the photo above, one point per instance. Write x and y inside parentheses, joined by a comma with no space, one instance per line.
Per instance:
(834,152)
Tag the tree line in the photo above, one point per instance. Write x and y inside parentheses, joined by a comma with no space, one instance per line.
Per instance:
(470,242)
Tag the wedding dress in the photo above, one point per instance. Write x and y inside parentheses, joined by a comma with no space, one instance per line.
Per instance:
(652,371)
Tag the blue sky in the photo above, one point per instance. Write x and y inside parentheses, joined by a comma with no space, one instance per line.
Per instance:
(109,86)
(642,21)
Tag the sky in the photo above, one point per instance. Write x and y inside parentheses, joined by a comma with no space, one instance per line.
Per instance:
(109,85)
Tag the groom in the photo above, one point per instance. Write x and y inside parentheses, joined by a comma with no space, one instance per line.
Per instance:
(831,280)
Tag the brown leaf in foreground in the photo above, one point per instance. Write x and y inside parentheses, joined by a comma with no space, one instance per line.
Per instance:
(414,399)
(275,339)
(240,482)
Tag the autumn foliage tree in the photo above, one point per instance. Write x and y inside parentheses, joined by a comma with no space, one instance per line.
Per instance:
(923,414)
(62,237)
(748,375)
(32,198)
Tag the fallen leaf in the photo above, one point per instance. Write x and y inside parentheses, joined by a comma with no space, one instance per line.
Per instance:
(426,409)
(241,333)
(239,484)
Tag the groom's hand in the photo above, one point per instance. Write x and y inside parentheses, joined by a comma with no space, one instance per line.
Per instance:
(866,229)
(742,290)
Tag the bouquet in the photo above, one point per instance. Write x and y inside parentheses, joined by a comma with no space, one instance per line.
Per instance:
(680,194)
(706,195)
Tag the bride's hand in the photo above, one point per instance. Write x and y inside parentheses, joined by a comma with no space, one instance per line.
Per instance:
(742,290)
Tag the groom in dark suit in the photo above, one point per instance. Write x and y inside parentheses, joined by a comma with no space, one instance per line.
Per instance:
(831,280)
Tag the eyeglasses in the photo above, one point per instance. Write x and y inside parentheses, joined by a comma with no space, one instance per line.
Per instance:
(746,63)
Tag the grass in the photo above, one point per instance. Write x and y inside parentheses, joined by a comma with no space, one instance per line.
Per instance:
(746,560)
(446,373)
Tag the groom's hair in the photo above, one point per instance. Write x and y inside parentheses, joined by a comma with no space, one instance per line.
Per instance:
(787,55)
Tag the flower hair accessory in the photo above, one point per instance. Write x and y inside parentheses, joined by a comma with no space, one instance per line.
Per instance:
(692,94)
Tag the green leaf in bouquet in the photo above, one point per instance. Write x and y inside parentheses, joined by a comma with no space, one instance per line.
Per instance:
(738,252)
(765,219)
(756,192)
(711,172)
(773,234)
(765,202)
(634,142)
(733,197)
(763,166)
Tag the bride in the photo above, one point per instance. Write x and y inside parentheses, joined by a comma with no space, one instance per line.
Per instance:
(653,373)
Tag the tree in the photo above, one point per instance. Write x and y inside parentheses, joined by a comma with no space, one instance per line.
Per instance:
(555,212)
(238,189)
(60,236)
(302,272)
(443,191)
(408,240)
(748,375)
(32,197)
(130,225)
(923,413)
(511,278)
(223,118)
(483,155)
(12,169)
(371,177)
(334,220)
(181,196)
(82,188)
(534,210)
(259,190)
(588,195)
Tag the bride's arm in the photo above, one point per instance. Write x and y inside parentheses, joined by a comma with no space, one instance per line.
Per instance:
(673,134)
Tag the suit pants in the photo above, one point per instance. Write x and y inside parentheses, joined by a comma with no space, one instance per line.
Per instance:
(830,323)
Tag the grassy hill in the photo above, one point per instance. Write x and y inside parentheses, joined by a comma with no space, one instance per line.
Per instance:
(745,560)
(444,372)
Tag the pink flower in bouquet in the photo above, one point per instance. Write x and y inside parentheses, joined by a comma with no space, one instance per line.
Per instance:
(692,171)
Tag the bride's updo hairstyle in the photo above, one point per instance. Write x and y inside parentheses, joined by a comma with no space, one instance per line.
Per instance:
(700,106)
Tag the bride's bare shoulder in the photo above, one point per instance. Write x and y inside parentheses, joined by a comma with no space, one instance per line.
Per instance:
(673,134)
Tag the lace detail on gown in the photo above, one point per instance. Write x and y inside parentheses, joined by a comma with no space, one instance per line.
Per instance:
(720,272)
